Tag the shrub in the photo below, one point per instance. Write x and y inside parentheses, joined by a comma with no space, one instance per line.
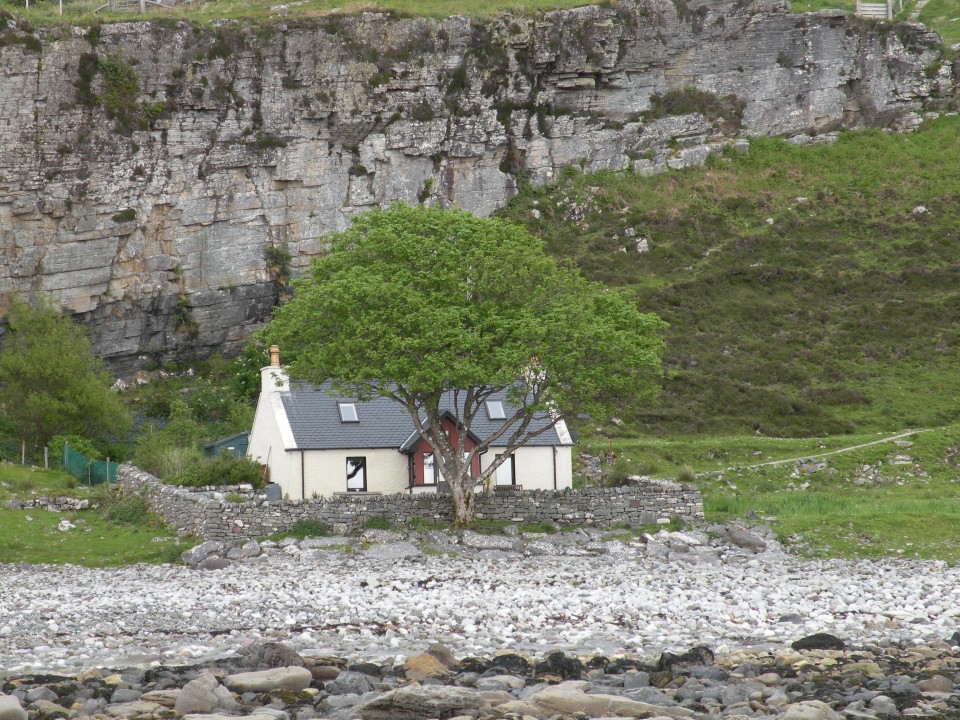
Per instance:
(728,108)
(222,470)
(77,444)
(377,523)
(308,528)
(125,509)
(686,474)
(167,462)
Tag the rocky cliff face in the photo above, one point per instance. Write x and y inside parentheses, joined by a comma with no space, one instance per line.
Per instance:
(155,177)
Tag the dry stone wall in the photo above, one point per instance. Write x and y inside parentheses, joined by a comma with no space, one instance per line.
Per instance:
(154,174)
(211,518)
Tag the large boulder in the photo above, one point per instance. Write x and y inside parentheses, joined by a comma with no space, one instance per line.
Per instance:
(739,535)
(418,703)
(569,698)
(263,681)
(263,656)
(197,696)
(196,555)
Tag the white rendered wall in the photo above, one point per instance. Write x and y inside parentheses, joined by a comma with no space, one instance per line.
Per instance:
(535,466)
(326,471)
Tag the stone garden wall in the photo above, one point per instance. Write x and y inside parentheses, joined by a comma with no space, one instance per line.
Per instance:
(206,515)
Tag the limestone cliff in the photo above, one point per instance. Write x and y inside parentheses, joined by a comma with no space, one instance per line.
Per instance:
(153,175)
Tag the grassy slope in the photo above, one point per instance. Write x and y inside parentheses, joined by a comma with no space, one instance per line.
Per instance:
(810,291)
(32,535)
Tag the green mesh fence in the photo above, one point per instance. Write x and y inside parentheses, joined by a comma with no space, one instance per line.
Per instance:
(90,472)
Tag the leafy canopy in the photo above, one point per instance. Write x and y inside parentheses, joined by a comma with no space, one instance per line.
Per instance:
(412,302)
(50,380)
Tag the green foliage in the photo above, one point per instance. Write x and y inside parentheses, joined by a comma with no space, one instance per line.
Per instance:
(413,302)
(727,109)
(77,443)
(37,540)
(377,523)
(125,509)
(127,215)
(860,503)
(22,481)
(269,142)
(121,87)
(51,382)
(244,380)
(809,291)
(307,528)
(224,469)
(277,259)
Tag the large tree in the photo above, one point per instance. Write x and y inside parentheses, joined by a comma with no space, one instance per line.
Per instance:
(51,382)
(421,305)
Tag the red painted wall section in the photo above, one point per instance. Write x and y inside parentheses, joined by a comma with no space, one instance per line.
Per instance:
(453,432)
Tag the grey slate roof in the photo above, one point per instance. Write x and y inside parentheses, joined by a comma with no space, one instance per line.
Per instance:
(314,418)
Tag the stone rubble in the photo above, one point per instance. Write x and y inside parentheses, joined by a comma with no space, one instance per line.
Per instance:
(872,682)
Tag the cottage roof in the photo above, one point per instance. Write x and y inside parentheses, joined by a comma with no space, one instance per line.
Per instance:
(319,422)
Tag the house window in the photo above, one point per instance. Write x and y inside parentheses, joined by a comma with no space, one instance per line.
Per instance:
(356,474)
(348,412)
(431,473)
(507,473)
(495,410)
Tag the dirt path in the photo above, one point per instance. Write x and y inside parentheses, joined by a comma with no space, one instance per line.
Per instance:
(915,13)
(816,456)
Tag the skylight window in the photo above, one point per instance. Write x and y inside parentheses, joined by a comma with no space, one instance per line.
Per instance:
(348,412)
(495,410)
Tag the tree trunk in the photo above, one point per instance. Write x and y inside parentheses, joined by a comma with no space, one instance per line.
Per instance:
(463,499)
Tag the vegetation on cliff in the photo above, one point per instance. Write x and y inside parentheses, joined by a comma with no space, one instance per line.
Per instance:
(810,291)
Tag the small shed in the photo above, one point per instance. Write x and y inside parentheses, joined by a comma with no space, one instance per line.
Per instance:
(236,445)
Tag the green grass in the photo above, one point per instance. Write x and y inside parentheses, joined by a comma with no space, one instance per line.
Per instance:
(944,17)
(121,529)
(32,536)
(807,292)
(910,509)
(18,481)
(81,12)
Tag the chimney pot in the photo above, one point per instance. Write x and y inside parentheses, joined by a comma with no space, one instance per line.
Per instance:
(274,356)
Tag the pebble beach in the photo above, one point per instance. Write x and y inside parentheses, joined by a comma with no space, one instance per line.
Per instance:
(386,598)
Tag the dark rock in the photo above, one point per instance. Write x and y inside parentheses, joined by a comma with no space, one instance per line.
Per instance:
(366,668)
(708,672)
(621,665)
(793,618)
(633,680)
(349,683)
(124,695)
(263,656)
(661,679)
(700,655)
(558,664)
(598,662)
(819,641)
(511,664)
(474,665)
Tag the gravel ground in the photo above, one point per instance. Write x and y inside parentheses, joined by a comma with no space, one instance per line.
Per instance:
(63,618)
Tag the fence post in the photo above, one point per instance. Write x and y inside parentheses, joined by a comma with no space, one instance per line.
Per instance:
(23,452)
(46,458)
(889,9)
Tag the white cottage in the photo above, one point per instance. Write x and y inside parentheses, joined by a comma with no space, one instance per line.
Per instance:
(315,443)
